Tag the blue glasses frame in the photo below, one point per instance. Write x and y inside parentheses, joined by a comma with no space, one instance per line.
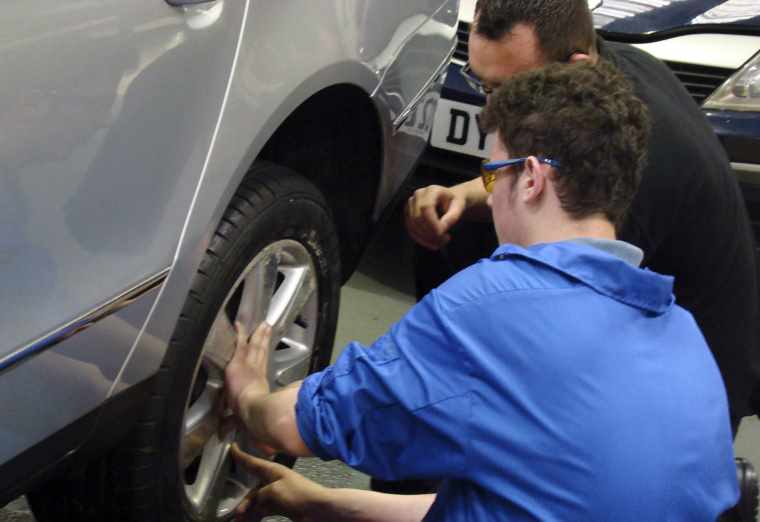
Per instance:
(488,169)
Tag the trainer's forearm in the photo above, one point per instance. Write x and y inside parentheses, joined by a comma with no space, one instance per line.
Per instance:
(475,197)
(354,505)
(271,420)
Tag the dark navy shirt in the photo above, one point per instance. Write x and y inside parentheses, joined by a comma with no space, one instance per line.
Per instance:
(554,383)
(690,220)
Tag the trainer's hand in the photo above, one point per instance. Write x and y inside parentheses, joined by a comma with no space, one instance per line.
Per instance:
(246,373)
(282,492)
(430,214)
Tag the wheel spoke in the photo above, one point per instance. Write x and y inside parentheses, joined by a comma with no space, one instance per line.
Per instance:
(292,363)
(258,287)
(296,334)
(240,477)
(234,493)
(293,294)
(206,493)
(220,344)
(201,422)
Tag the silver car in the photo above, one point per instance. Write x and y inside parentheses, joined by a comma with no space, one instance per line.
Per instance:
(168,167)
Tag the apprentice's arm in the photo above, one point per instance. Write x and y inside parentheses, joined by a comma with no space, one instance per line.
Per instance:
(286,492)
(362,409)
(271,419)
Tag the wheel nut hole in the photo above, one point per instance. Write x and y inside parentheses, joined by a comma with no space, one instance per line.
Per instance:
(191,472)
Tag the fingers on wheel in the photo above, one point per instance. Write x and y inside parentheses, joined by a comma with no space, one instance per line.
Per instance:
(266,470)
(241,339)
(259,344)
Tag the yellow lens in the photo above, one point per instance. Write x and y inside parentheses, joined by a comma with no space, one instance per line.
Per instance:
(488,179)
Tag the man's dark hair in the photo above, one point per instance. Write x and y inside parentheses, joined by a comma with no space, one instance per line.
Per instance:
(586,117)
(562,26)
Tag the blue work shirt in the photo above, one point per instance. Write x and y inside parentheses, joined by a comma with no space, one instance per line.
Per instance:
(553,383)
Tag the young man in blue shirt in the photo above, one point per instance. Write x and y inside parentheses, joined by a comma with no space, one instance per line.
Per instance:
(553,381)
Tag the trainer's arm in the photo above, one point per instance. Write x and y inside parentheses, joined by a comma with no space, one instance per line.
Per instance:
(475,197)
(431,211)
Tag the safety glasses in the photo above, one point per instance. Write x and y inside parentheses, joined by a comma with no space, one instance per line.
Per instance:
(488,169)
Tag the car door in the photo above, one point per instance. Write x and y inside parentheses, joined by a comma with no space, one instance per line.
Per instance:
(108,109)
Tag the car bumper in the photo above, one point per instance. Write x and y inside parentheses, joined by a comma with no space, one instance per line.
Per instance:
(739,132)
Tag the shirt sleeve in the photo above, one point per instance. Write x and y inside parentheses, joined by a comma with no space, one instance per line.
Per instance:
(397,409)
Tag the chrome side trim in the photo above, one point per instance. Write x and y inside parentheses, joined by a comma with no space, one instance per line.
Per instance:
(748,173)
(84,322)
(399,121)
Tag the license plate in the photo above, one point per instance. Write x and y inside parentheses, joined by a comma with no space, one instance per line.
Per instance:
(456,128)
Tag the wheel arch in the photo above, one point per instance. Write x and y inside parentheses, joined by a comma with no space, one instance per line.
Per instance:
(335,139)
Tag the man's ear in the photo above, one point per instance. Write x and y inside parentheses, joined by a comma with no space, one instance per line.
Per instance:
(578,56)
(534,180)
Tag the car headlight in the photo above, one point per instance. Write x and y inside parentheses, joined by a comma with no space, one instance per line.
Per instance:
(741,92)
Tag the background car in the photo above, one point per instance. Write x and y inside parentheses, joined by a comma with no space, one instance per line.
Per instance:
(168,167)
(712,47)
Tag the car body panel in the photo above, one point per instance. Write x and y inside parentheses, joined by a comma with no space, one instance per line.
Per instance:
(95,181)
(44,394)
(135,123)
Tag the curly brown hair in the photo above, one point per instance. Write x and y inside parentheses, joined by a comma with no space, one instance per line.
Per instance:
(562,26)
(584,115)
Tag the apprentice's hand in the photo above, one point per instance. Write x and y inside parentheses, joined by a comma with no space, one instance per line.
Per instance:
(246,373)
(430,214)
(282,492)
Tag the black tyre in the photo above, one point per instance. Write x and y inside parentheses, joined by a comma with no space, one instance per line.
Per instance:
(746,510)
(274,255)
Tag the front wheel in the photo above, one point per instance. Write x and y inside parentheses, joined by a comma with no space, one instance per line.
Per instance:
(280,285)
(274,257)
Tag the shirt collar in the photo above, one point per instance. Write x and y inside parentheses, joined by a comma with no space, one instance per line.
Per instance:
(606,273)
(629,253)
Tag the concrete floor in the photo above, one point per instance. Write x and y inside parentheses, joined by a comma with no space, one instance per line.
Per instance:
(376,296)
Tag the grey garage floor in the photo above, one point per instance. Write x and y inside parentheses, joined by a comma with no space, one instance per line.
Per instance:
(376,296)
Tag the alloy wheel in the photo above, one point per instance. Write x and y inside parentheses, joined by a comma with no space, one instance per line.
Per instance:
(280,286)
